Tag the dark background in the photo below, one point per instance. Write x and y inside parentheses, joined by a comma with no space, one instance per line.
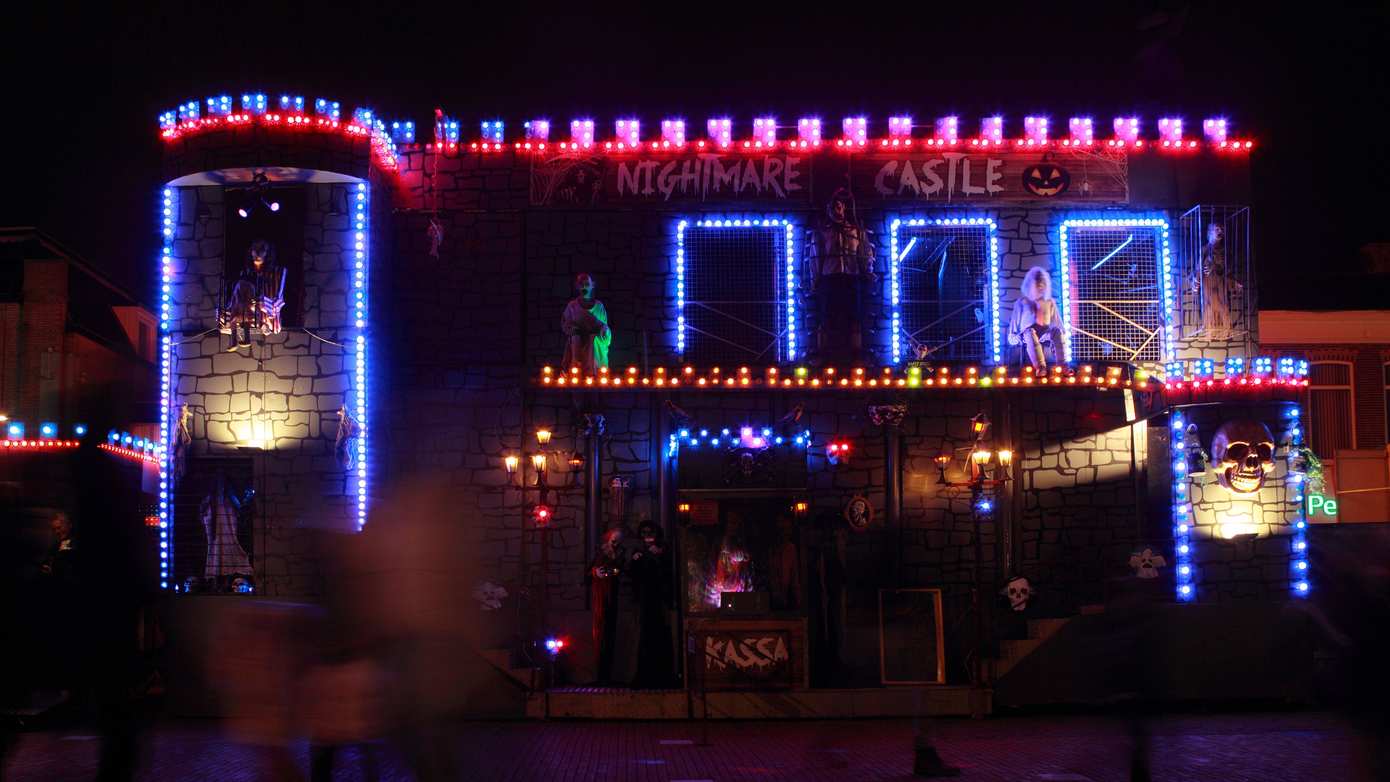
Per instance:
(85,87)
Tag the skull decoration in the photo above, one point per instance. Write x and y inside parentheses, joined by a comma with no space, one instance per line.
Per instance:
(1019,592)
(1243,453)
(1146,563)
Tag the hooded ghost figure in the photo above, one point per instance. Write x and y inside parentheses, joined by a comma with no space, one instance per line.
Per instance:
(585,323)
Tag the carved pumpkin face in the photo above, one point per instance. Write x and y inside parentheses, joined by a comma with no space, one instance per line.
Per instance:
(1046,180)
(1243,451)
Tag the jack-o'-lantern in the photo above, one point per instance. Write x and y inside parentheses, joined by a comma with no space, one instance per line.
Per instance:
(1046,180)
(1242,452)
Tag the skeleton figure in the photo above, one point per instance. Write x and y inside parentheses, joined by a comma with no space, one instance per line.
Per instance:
(256,298)
(1146,563)
(1019,592)
(1214,285)
(1192,447)
(585,323)
(1036,323)
(1243,454)
(489,595)
(842,261)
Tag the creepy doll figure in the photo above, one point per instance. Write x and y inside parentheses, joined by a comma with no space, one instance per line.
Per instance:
(585,323)
(1036,323)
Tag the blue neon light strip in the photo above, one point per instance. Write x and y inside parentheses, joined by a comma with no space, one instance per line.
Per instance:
(168,210)
(1299,583)
(691,438)
(359,284)
(1182,512)
(895,277)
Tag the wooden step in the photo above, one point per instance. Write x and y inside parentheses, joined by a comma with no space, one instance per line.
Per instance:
(1013,651)
(621,704)
(501,659)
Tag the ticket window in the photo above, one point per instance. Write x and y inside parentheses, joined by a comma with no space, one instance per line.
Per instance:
(742,556)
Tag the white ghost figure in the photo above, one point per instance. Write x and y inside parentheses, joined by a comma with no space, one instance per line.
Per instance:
(1146,563)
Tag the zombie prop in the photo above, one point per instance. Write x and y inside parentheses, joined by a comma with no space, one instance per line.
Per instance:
(608,564)
(1214,285)
(585,324)
(1192,451)
(1019,592)
(650,566)
(1146,563)
(842,265)
(256,298)
(1242,453)
(1036,323)
(220,511)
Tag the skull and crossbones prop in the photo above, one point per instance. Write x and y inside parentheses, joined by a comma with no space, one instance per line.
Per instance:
(1146,563)
(1018,591)
(1243,455)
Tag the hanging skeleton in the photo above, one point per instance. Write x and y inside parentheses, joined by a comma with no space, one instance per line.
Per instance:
(344,447)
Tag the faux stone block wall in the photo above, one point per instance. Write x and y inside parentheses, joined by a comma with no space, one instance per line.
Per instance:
(293,382)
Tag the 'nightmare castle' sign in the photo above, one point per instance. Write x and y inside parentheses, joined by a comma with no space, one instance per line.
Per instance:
(936,176)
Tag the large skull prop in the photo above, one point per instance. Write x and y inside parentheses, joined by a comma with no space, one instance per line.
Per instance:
(1019,591)
(1243,453)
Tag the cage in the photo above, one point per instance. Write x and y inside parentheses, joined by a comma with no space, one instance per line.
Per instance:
(1215,277)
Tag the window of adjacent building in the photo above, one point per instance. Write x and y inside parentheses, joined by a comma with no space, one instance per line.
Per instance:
(735,292)
(1331,415)
(1112,291)
(1386,368)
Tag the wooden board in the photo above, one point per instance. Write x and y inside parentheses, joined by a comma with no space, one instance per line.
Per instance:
(911,638)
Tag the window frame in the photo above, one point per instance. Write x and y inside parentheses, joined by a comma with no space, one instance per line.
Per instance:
(1350,388)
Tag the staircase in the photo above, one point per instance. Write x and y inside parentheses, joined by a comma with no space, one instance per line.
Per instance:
(501,659)
(1013,651)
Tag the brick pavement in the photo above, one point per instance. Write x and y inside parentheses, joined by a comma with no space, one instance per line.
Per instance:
(1309,747)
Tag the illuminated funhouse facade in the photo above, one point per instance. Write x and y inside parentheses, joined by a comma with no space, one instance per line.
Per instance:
(425,284)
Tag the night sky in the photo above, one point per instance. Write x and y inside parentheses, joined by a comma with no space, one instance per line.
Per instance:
(84,90)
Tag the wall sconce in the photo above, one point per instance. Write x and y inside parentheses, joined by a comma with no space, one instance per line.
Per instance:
(942,462)
(543,436)
(576,461)
(539,462)
(683,509)
(979,426)
(980,460)
(800,509)
(511,463)
(1006,459)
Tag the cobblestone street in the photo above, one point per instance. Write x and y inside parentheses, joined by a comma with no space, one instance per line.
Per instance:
(1228,748)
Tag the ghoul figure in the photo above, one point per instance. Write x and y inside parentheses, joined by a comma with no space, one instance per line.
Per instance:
(842,265)
(1214,286)
(604,571)
(585,323)
(1036,324)
(257,297)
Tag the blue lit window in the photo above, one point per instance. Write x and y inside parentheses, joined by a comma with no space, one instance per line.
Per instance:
(944,289)
(1117,303)
(736,288)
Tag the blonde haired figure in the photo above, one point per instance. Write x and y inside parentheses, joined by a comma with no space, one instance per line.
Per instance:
(1036,323)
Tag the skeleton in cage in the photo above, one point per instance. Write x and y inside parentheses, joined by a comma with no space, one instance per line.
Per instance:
(1036,323)
(1213,285)
(841,263)
(256,298)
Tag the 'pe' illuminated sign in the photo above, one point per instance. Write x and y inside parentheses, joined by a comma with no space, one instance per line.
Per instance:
(1317,503)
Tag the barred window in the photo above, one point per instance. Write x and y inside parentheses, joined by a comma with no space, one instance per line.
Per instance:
(1331,417)
(944,289)
(1114,289)
(735,291)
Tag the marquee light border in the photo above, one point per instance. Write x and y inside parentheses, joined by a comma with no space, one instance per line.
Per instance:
(168,207)
(852,379)
(895,287)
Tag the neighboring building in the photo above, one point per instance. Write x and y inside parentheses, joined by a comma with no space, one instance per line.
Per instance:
(1348,394)
(74,346)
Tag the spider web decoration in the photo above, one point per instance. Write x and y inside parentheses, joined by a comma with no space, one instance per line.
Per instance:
(734,280)
(1114,289)
(942,290)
